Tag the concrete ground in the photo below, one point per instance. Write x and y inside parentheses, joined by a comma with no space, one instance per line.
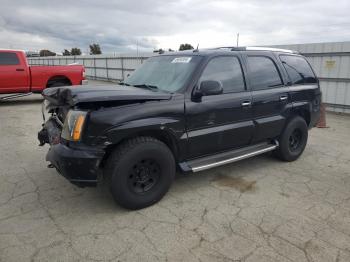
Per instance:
(259,209)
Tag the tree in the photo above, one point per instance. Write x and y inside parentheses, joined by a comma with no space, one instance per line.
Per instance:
(46,52)
(185,47)
(95,49)
(66,52)
(75,51)
(160,51)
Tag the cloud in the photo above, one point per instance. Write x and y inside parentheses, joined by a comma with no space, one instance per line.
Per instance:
(121,25)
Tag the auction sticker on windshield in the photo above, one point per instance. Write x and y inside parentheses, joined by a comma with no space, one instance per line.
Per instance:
(181,60)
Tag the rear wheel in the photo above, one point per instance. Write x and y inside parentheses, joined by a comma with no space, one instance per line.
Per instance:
(58,83)
(141,171)
(293,139)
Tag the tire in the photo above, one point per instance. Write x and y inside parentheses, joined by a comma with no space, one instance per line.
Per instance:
(293,140)
(140,171)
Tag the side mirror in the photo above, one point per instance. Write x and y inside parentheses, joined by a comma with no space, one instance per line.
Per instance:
(208,88)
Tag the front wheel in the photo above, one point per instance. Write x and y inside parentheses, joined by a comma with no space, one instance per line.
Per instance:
(141,171)
(293,139)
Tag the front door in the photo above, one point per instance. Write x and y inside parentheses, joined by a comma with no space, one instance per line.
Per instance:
(220,122)
(13,75)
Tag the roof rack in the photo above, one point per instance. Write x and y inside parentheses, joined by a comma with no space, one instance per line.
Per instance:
(256,48)
(232,48)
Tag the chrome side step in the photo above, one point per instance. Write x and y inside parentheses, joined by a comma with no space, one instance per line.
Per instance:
(13,96)
(227,157)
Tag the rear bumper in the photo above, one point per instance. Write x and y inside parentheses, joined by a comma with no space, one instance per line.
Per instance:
(79,166)
(84,82)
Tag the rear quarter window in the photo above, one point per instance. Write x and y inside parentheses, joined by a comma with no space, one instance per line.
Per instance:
(298,70)
(8,58)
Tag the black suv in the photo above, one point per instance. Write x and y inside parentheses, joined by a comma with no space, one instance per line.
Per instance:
(190,111)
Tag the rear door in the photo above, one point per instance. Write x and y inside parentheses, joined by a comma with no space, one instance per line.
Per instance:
(13,74)
(220,122)
(304,89)
(270,96)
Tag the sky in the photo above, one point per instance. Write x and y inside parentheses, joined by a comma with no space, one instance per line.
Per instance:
(145,25)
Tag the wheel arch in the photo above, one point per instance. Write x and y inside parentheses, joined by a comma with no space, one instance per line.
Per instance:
(162,135)
(58,78)
(303,110)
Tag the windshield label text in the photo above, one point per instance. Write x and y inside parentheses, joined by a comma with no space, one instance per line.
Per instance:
(181,60)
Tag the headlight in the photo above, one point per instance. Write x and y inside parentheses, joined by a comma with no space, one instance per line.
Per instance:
(73,125)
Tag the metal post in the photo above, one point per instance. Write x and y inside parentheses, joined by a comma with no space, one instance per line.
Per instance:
(95,68)
(107,68)
(122,64)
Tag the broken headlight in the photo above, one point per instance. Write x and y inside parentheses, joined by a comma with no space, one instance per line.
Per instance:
(73,125)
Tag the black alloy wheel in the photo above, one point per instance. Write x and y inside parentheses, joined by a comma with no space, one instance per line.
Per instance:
(144,175)
(293,139)
(141,171)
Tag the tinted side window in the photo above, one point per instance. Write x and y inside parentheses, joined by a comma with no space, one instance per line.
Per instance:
(8,59)
(263,73)
(228,71)
(298,69)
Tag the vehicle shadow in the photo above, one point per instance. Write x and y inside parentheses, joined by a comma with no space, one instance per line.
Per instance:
(228,176)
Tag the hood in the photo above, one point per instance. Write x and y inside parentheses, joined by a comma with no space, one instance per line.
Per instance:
(73,95)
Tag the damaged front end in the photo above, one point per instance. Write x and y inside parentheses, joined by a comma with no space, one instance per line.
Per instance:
(62,129)
(52,128)
(67,112)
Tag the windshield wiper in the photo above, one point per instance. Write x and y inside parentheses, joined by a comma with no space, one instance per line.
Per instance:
(151,87)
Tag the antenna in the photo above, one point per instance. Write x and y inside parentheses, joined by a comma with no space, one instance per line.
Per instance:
(196,50)
(237,39)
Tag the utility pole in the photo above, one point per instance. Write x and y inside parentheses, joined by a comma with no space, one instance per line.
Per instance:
(237,39)
(137,48)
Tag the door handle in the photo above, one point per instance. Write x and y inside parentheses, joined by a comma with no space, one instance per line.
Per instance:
(246,103)
(20,69)
(283,98)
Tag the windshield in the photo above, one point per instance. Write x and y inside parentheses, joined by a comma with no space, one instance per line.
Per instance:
(166,73)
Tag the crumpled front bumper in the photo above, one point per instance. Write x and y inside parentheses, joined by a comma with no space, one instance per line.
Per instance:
(79,166)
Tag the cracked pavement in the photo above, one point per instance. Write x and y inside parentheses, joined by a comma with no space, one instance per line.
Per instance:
(259,209)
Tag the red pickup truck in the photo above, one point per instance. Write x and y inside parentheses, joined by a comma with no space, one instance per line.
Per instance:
(16,76)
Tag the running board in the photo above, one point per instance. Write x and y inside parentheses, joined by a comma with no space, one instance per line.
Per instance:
(227,157)
(8,97)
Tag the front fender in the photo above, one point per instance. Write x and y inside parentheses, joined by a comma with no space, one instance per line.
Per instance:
(168,129)
(119,132)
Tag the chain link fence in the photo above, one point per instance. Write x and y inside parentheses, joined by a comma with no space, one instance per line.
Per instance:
(101,67)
